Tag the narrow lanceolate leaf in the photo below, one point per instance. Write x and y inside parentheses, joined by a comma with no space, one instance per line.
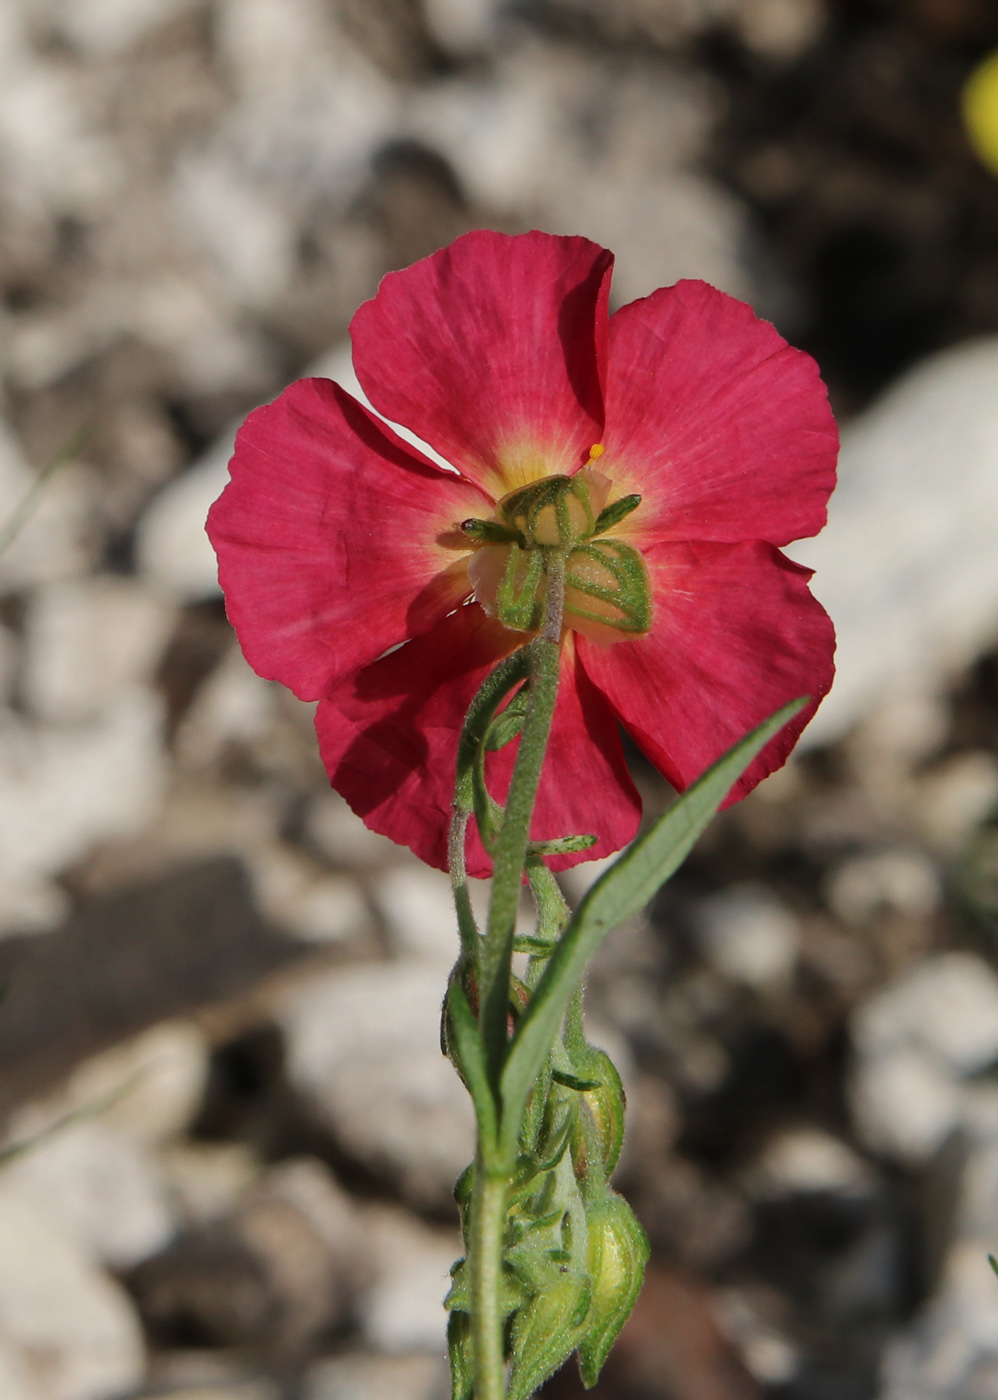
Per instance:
(618,1253)
(469,1052)
(620,892)
(547,1331)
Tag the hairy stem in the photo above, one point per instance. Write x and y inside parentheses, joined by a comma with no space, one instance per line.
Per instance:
(511,846)
(488,1219)
(496,954)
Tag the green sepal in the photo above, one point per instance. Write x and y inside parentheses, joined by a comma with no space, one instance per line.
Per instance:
(530,943)
(512,1293)
(572,1081)
(542,512)
(629,594)
(562,845)
(614,513)
(462,1361)
(489,531)
(519,599)
(508,722)
(606,1102)
(617,1254)
(546,1332)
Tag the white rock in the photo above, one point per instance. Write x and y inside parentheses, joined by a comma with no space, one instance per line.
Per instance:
(807,1159)
(418,908)
(779,29)
(86,641)
(53,158)
(52,542)
(10,657)
(63,790)
(462,26)
(403,1311)
(907,565)
(102,28)
(74,1326)
(102,1188)
(241,229)
(233,705)
(951,1352)
(148,1088)
(580,149)
(363,1048)
(341,836)
(207,1179)
(308,902)
(229,1390)
(312,110)
(748,934)
(30,905)
(956,797)
(904,1104)
(364,1377)
(171,546)
(771,1358)
(947,1006)
(16,1380)
(906,881)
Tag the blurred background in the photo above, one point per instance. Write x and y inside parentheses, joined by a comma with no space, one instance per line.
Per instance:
(230,1136)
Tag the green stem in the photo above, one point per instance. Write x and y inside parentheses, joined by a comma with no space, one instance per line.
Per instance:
(495,952)
(511,847)
(488,1220)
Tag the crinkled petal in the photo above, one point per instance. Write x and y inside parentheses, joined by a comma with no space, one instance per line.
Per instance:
(723,428)
(736,634)
(493,351)
(389,735)
(335,539)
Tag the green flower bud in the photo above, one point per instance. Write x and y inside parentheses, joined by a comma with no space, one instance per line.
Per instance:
(547,1331)
(617,1254)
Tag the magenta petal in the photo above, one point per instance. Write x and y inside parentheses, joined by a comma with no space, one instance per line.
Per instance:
(493,352)
(736,634)
(333,538)
(388,737)
(723,429)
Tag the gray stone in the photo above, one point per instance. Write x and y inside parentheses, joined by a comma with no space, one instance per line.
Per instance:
(71,1323)
(402,1311)
(916,603)
(364,1377)
(274,1275)
(749,935)
(102,1188)
(86,642)
(947,1005)
(363,1048)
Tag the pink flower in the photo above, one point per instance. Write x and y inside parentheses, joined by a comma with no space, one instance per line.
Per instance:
(337,541)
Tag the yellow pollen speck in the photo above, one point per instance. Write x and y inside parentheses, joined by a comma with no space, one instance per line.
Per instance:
(596,450)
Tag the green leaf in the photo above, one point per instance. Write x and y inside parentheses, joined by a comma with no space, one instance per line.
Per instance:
(462,1364)
(546,1332)
(618,1253)
(469,1056)
(620,892)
